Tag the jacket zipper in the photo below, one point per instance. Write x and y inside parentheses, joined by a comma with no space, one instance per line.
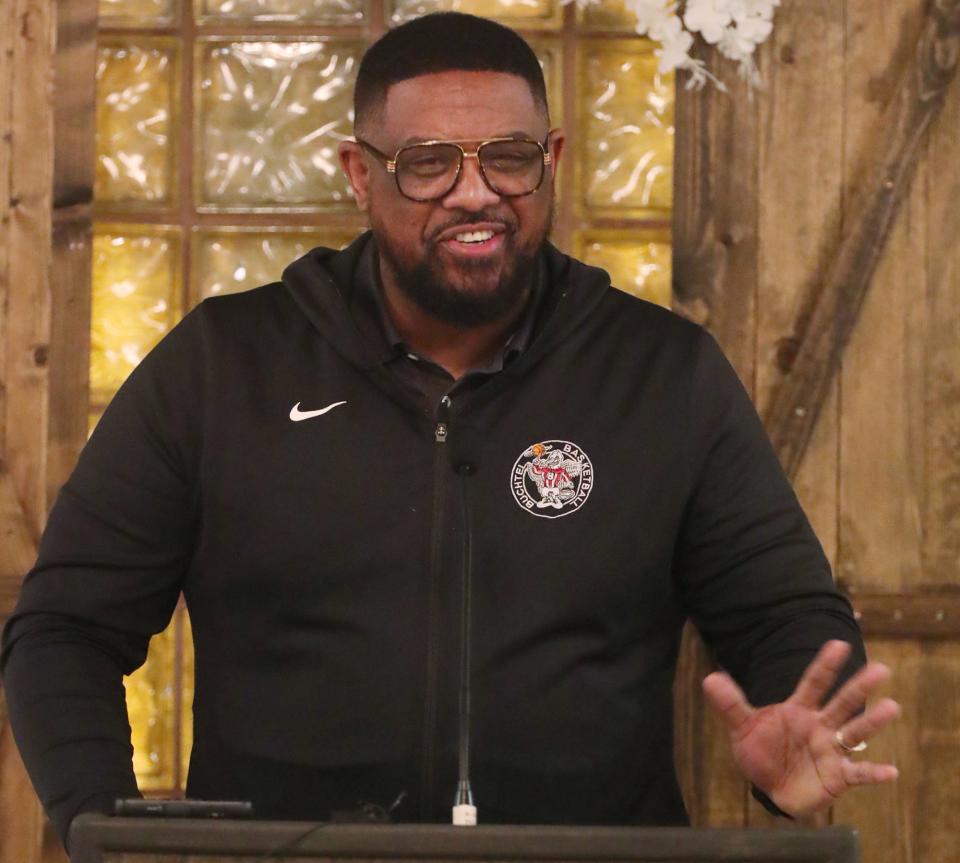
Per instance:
(441,434)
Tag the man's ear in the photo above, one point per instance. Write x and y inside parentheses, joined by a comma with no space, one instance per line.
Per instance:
(357,170)
(555,147)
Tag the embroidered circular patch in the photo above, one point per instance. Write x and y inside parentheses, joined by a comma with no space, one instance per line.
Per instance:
(552,478)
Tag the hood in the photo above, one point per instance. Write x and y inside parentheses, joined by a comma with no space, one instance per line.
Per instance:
(321,283)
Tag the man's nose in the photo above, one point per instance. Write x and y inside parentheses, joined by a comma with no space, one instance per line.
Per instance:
(471,191)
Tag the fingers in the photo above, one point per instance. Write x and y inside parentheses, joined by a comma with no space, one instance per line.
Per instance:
(868,773)
(876,717)
(821,674)
(854,693)
(728,698)
(861,728)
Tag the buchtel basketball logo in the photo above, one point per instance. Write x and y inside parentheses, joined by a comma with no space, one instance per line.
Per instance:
(552,478)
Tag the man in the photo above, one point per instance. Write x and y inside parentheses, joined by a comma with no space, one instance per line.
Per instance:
(339,472)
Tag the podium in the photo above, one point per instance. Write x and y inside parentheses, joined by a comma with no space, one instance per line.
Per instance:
(101,839)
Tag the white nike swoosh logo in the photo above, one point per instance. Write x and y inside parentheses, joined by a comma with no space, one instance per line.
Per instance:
(297,415)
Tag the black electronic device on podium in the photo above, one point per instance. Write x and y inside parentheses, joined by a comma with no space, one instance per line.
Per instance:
(103,839)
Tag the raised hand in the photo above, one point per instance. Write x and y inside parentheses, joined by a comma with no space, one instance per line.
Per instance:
(798,752)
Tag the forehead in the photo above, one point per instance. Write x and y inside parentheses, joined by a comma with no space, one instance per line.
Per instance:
(460,106)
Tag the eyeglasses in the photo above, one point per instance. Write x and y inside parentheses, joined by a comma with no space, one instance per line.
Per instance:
(511,167)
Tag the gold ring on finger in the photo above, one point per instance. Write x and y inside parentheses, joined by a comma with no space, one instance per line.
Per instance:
(846,747)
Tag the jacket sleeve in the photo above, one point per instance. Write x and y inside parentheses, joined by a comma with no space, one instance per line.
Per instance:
(111,560)
(754,578)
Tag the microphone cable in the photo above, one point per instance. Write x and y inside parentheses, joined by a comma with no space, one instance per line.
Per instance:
(366,813)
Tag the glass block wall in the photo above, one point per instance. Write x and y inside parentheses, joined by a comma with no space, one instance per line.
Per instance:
(217,130)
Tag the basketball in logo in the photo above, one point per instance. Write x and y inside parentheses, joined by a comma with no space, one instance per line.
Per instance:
(552,478)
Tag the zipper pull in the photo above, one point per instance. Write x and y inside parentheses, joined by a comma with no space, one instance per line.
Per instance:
(443,412)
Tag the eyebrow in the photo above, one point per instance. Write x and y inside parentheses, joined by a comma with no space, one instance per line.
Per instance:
(519,135)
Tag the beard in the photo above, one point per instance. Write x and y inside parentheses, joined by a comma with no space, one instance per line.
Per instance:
(487,290)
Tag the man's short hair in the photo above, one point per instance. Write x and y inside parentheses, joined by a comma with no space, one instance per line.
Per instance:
(442,42)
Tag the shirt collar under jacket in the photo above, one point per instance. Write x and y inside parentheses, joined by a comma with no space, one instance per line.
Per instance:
(322,284)
(370,315)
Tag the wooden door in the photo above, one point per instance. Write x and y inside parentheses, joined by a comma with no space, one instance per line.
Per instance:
(816,234)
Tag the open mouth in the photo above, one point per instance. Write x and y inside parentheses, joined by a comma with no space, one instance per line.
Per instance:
(472,237)
(476,242)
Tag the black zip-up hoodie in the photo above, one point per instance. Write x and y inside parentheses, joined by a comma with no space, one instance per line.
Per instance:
(619,481)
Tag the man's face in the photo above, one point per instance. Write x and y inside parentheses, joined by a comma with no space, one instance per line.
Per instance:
(460,282)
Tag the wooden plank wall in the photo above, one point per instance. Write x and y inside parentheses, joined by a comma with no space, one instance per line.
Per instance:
(46,96)
(26,164)
(881,476)
(899,499)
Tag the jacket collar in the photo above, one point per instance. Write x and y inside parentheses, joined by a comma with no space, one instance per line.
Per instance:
(322,283)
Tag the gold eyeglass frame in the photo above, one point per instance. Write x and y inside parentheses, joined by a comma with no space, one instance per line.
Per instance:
(391,164)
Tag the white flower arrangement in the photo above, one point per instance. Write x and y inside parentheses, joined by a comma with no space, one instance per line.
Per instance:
(736,27)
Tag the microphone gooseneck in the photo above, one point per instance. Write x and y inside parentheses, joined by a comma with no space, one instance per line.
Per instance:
(464,810)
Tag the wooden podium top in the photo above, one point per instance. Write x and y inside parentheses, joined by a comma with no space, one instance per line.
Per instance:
(101,839)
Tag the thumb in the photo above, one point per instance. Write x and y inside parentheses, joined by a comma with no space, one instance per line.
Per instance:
(728,698)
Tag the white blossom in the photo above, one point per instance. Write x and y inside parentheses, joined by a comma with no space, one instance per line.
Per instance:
(652,16)
(667,28)
(674,52)
(708,18)
(755,29)
(734,46)
(736,27)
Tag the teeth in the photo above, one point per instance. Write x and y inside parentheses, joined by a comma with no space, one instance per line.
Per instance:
(474,237)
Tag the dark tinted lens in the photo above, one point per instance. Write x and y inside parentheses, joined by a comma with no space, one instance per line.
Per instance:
(427,170)
(512,167)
